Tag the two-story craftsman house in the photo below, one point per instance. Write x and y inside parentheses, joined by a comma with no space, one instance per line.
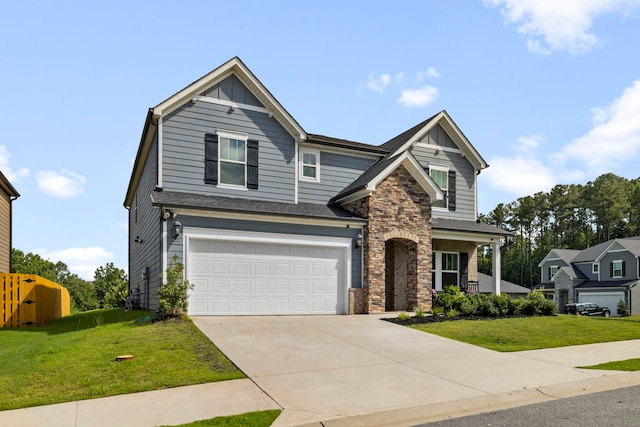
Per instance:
(270,219)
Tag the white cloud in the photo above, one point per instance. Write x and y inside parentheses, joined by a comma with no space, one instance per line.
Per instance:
(81,261)
(64,184)
(614,139)
(379,84)
(523,174)
(555,25)
(429,73)
(9,173)
(418,97)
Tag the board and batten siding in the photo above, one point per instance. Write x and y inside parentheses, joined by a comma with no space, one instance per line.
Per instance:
(183,132)
(465,180)
(5,232)
(145,223)
(337,171)
(176,246)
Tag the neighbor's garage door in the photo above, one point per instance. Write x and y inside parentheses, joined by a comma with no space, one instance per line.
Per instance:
(603,299)
(232,278)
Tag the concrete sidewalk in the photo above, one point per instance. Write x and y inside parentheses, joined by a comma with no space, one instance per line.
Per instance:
(153,408)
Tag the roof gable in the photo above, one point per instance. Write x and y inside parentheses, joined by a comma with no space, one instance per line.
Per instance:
(217,81)
(7,187)
(566,255)
(367,182)
(414,135)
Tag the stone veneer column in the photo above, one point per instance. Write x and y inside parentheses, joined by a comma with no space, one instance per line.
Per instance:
(399,204)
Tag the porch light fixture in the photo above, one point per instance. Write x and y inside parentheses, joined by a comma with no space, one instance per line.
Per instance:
(359,240)
(177,228)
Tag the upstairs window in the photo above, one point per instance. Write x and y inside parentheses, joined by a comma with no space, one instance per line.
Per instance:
(552,271)
(617,269)
(310,165)
(441,177)
(595,268)
(231,160)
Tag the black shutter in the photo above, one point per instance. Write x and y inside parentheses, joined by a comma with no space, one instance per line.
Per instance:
(252,164)
(549,273)
(452,190)
(623,268)
(464,270)
(211,159)
(611,269)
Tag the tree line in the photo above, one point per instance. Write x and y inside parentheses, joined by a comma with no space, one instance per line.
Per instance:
(572,216)
(109,288)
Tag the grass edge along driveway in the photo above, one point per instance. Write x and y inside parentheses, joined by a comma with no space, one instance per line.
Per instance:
(73,358)
(537,332)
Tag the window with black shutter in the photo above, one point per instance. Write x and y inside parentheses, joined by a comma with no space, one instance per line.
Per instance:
(211,159)
(231,160)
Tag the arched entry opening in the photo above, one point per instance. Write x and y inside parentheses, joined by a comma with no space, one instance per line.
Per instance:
(401,264)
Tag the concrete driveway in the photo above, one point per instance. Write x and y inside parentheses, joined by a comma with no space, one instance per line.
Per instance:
(327,367)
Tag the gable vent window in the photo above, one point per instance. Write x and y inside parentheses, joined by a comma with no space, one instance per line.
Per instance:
(310,165)
(231,160)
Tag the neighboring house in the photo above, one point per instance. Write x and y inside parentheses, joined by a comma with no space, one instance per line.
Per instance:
(7,195)
(603,274)
(270,219)
(485,286)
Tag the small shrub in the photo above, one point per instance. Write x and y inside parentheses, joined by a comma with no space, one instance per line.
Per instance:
(404,316)
(437,311)
(536,303)
(449,298)
(622,309)
(504,304)
(173,295)
(467,308)
(418,312)
(452,313)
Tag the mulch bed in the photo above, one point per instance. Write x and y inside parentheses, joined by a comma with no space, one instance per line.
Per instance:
(434,319)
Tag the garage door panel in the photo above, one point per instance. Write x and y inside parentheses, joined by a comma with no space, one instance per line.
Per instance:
(264,278)
(603,299)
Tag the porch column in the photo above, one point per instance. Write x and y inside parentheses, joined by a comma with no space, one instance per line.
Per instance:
(495,255)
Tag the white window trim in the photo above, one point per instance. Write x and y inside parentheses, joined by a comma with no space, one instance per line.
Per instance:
(232,135)
(304,150)
(444,169)
(551,267)
(613,274)
(438,285)
(595,268)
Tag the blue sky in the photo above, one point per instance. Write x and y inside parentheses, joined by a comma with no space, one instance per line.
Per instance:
(548,92)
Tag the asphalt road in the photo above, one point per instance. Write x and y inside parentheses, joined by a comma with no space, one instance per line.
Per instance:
(619,408)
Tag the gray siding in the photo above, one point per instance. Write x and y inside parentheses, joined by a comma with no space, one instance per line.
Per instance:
(545,269)
(634,304)
(336,172)
(587,270)
(183,151)
(465,180)
(630,265)
(176,245)
(438,136)
(232,89)
(144,221)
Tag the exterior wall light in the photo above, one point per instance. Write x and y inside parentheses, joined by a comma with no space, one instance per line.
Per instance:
(177,228)
(359,240)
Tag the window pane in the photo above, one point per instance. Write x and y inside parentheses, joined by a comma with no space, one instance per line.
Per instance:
(440,178)
(232,173)
(449,279)
(450,262)
(309,171)
(232,149)
(309,159)
(224,148)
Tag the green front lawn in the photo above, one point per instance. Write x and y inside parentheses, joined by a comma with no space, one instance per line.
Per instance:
(253,419)
(74,358)
(532,333)
(618,365)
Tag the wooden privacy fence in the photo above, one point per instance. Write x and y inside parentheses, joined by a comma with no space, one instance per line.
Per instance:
(30,300)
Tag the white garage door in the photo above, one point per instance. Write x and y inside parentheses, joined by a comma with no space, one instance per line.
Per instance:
(232,278)
(603,299)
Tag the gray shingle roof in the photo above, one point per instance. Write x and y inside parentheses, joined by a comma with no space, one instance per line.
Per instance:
(398,141)
(344,143)
(607,284)
(471,226)
(362,181)
(485,286)
(228,204)
(590,254)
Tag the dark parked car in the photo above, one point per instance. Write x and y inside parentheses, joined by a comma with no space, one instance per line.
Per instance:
(587,309)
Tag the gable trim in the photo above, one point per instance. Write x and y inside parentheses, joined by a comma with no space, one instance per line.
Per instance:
(233,66)
(412,166)
(444,120)
(231,104)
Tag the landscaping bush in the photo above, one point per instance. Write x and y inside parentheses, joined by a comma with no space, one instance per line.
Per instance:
(536,304)
(504,304)
(173,295)
(418,312)
(623,309)
(449,298)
